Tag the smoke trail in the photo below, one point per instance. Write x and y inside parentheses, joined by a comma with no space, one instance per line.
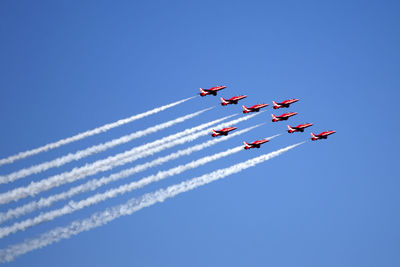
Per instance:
(131,206)
(73,206)
(96,183)
(94,149)
(272,137)
(106,164)
(80,136)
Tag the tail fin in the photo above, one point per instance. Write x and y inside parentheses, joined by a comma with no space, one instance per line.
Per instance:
(215,133)
(274,117)
(245,108)
(314,137)
(275,104)
(224,101)
(246,145)
(291,130)
(202,91)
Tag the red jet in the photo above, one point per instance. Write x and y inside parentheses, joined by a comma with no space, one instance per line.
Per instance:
(255,108)
(283,117)
(255,144)
(323,135)
(284,104)
(298,128)
(233,100)
(212,91)
(224,131)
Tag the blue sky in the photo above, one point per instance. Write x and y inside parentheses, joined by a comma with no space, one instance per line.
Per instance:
(67,67)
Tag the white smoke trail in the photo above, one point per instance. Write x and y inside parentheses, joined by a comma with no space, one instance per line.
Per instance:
(73,206)
(272,137)
(94,149)
(96,183)
(80,136)
(131,206)
(106,164)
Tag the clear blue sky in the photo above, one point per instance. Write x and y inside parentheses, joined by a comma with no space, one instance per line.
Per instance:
(70,66)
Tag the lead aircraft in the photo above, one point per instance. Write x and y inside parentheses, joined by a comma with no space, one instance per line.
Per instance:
(323,135)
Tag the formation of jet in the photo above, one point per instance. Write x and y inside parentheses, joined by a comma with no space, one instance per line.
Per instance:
(284,104)
(212,91)
(298,128)
(283,117)
(323,135)
(223,131)
(255,144)
(255,108)
(233,100)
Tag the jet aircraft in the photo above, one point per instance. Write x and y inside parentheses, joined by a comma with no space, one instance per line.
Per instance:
(298,128)
(284,104)
(233,100)
(212,91)
(255,108)
(283,117)
(323,135)
(223,131)
(255,144)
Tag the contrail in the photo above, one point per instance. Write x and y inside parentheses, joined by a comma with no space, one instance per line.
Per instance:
(108,163)
(96,183)
(73,206)
(94,149)
(272,137)
(131,206)
(80,136)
